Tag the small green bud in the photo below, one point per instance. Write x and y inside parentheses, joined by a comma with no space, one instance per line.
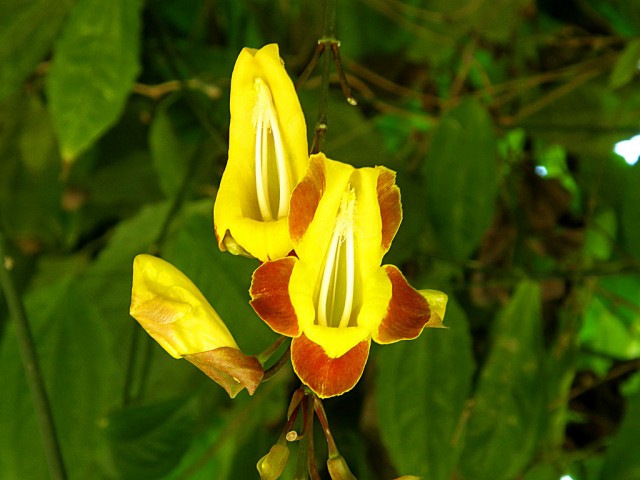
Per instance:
(271,466)
(338,469)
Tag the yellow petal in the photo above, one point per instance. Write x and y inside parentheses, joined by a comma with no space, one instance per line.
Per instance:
(173,311)
(336,341)
(252,205)
(318,215)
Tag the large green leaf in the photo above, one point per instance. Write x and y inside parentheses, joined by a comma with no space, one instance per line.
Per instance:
(461,178)
(79,377)
(94,66)
(620,463)
(169,157)
(27,32)
(508,404)
(107,282)
(148,441)
(421,394)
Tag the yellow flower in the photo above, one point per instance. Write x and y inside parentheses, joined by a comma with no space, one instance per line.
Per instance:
(176,314)
(267,157)
(335,296)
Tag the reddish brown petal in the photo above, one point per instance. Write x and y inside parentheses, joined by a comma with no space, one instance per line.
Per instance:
(270,296)
(230,368)
(390,206)
(408,311)
(305,198)
(326,376)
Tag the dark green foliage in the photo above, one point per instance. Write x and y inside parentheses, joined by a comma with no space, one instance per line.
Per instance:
(113,137)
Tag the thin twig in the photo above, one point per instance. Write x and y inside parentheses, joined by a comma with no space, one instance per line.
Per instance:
(32,369)
(270,350)
(275,368)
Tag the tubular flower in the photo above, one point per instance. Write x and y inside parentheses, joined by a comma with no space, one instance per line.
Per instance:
(267,157)
(335,296)
(176,314)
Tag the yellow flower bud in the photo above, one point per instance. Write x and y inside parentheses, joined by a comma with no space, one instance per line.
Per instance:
(173,311)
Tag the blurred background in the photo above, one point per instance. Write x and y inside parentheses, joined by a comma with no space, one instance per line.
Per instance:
(513,126)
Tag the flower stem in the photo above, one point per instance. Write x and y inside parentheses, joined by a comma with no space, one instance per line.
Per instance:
(328,36)
(313,468)
(270,350)
(322,418)
(32,369)
(275,368)
(329,49)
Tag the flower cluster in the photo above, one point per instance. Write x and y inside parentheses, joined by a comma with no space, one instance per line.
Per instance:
(320,229)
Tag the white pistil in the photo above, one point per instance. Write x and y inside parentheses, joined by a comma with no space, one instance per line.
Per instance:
(338,277)
(266,124)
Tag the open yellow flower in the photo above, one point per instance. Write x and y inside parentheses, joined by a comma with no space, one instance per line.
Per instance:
(335,296)
(176,314)
(267,157)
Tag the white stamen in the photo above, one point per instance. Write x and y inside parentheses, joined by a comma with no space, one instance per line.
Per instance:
(329,270)
(339,265)
(266,123)
(283,176)
(262,190)
(350,274)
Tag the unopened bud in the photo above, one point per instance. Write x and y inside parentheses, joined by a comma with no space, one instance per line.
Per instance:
(338,469)
(271,466)
(176,314)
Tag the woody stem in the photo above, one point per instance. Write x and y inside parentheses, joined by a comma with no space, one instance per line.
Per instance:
(328,37)
(32,368)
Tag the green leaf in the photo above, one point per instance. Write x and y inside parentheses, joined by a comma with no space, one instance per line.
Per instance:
(600,236)
(626,66)
(461,179)
(37,140)
(94,66)
(612,318)
(30,204)
(108,281)
(80,378)
(509,401)
(620,463)
(27,32)
(149,441)
(169,157)
(422,388)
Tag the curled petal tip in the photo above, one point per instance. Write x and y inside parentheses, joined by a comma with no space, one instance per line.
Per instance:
(229,368)
(438,304)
